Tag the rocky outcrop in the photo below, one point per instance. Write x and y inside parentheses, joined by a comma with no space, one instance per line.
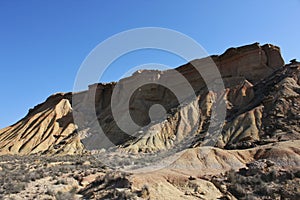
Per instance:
(251,62)
(254,62)
(241,68)
(255,154)
(272,116)
(256,114)
(49,127)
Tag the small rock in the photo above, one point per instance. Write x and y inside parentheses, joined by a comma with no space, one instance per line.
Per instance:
(86,163)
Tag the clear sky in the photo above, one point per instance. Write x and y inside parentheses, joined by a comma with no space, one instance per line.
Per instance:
(43,43)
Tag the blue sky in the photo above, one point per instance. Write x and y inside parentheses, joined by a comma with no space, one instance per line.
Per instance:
(43,43)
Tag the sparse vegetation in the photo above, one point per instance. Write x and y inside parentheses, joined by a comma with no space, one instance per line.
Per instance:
(144,193)
(269,182)
(18,172)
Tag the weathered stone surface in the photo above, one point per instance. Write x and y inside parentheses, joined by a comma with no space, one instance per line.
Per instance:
(254,62)
(257,150)
(49,127)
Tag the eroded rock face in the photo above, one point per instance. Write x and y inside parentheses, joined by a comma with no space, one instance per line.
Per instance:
(241,68)
(272,116)
(257,85)
(254,62)
(47,127)
(255,156)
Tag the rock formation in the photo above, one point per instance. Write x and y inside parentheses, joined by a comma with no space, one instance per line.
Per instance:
(48,126)
(257,87)
(260,134)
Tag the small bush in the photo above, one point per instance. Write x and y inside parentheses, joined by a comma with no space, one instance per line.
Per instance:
(144,193)
(237,190)
(64,195)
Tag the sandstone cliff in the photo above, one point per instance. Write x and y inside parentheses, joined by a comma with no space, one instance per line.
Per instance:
(256,154)
(259,89)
